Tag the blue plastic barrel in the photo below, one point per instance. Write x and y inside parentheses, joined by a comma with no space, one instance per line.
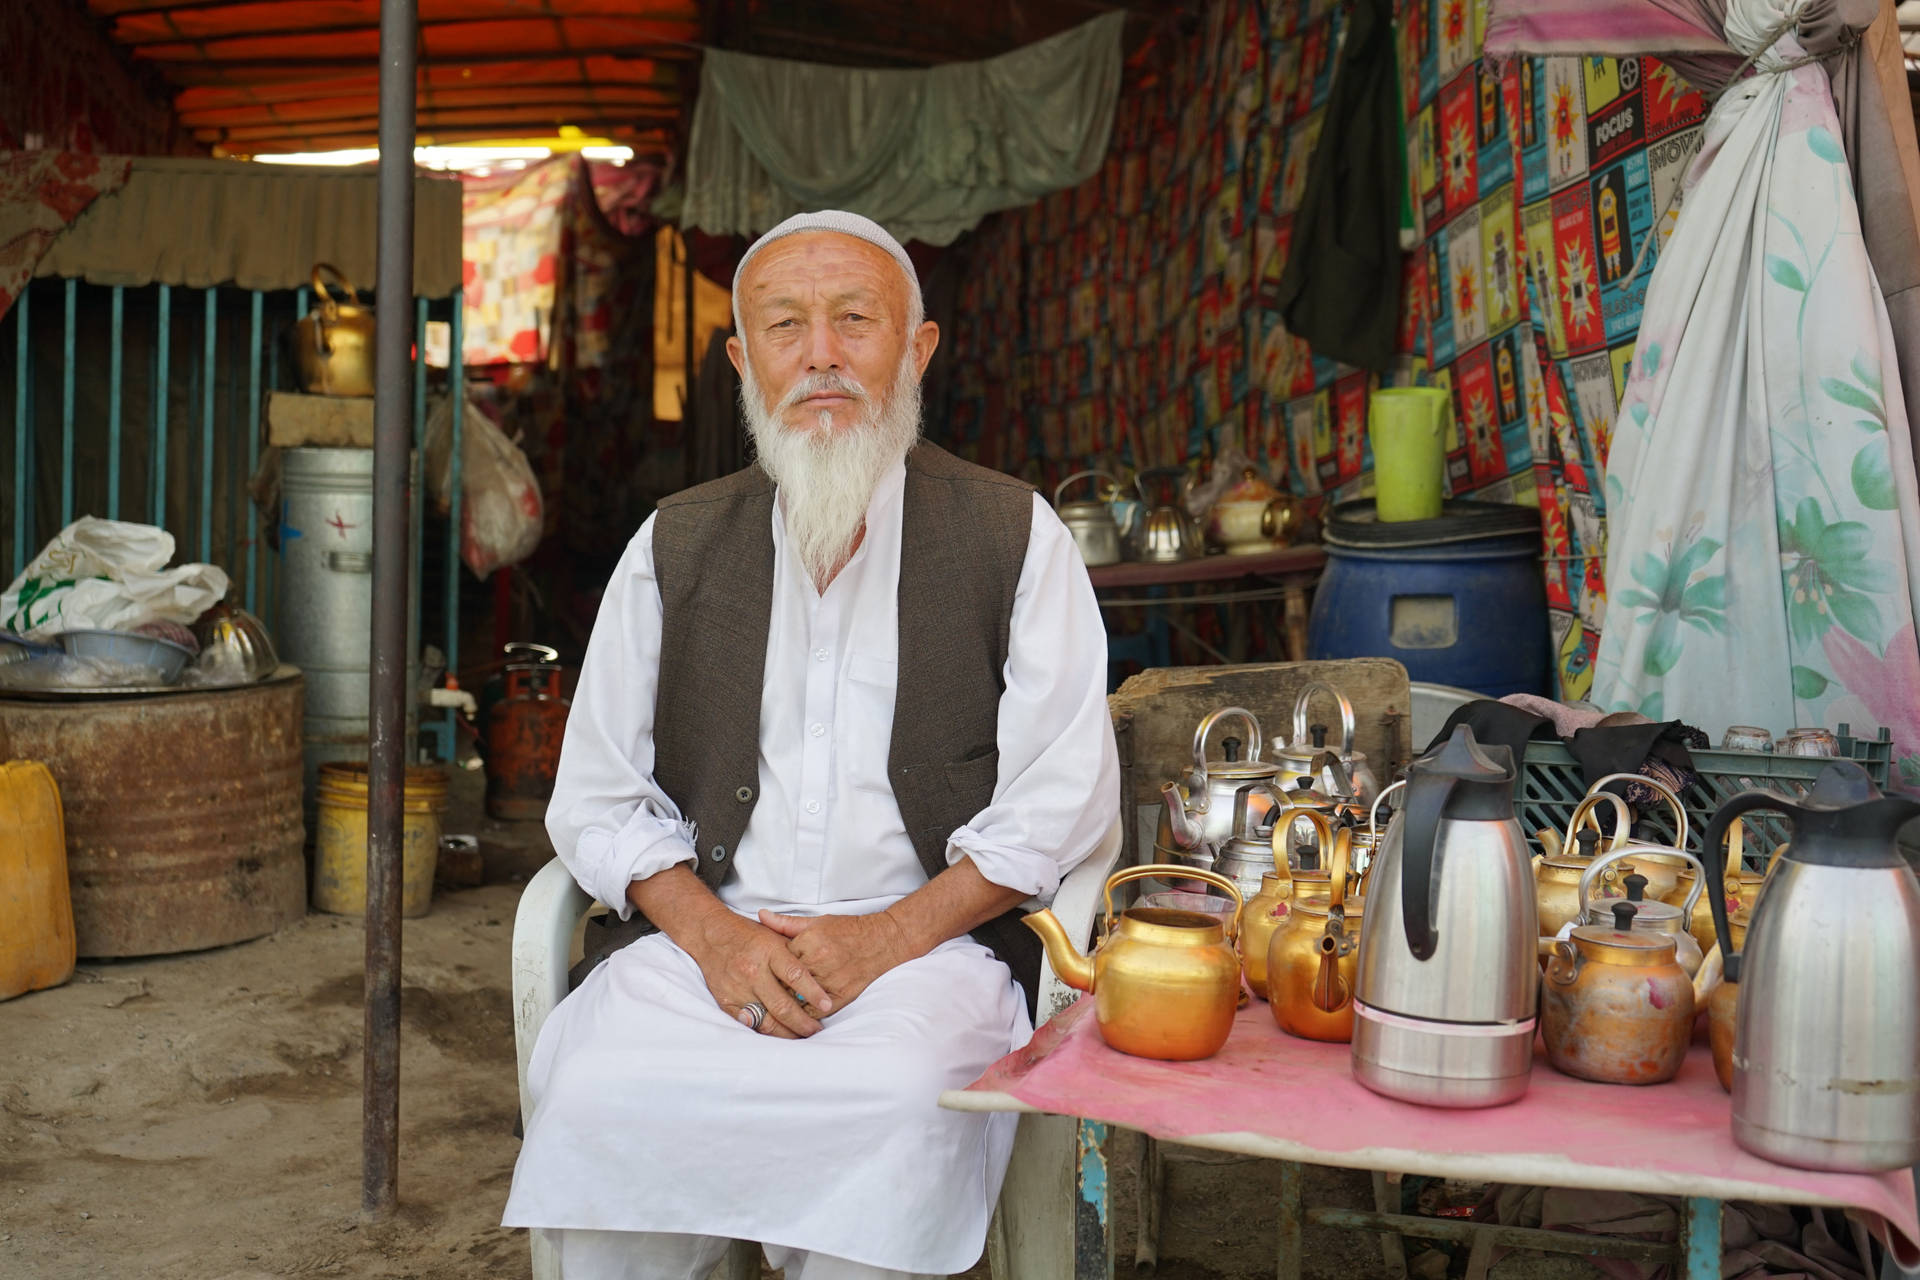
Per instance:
(1457,600)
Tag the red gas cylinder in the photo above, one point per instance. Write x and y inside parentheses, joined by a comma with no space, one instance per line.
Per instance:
(523,718)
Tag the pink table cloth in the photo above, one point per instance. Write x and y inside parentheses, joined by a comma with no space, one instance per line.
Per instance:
(1267,1093)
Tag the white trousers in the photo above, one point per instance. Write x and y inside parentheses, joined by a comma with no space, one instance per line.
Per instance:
(659,1255)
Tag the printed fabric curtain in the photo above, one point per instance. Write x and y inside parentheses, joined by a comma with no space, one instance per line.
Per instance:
(1763,550)
(927,154)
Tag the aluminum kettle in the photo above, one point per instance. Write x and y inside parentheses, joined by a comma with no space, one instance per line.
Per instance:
(1447,984)
(1826,1055)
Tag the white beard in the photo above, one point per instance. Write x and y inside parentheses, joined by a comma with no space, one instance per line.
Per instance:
(826,477)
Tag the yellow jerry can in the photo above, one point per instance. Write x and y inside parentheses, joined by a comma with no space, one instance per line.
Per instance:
(36,910)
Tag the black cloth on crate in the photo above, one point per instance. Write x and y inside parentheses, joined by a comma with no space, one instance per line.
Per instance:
(1340,291)
(1499,724)
(1658,749)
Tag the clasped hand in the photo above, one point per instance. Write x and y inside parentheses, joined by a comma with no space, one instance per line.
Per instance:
(798,969)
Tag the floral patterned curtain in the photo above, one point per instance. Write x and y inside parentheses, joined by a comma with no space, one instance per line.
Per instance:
(1764,526)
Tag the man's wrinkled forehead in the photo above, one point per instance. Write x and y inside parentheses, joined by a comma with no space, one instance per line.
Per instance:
(807,267)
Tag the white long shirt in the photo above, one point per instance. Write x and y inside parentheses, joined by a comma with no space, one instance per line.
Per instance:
(826,836)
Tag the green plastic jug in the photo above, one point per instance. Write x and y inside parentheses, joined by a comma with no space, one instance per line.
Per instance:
(1408,428)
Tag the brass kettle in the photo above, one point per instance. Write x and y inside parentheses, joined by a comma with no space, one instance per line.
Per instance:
(1313,955)
(1267,910)
(1165,982)
(333,343)
(1557,872)
(1741,886)
(1615,1005)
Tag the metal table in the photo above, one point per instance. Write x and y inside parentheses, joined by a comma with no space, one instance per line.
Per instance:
(1671,1139)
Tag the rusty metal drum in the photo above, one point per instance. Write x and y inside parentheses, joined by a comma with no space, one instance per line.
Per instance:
(182,810)
(523,718)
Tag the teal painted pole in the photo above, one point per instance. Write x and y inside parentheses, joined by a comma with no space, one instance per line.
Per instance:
(206,425)
(252,524)
(1702,1234)
(66,408)
(161,354)
(22,431)
(457,388)
(416,519)
(115,374)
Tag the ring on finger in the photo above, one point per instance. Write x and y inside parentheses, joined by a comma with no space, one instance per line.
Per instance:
(755,1011)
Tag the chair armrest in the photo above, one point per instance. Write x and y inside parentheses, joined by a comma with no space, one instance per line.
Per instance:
(543,928)
(1076,905)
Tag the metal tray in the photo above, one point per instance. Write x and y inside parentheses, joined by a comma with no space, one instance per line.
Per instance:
(284,672)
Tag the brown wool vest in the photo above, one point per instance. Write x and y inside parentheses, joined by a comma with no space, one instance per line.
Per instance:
(963,543)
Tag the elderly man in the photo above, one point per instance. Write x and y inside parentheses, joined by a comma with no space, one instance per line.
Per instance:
(842,714)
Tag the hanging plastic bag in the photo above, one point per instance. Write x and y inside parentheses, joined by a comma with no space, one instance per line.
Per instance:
(500,511)
(109,574)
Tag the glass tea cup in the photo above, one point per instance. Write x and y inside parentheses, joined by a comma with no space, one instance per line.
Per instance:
(1809,742)
(1746,737)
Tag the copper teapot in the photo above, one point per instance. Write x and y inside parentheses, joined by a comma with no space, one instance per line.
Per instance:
(1313,955)
(333,343)
(1165,982)
(1268,909)
(1615,1005)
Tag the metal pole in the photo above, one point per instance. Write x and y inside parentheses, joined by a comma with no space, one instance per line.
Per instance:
(387,755)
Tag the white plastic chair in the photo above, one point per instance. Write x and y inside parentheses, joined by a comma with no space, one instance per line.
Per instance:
(1027,1241)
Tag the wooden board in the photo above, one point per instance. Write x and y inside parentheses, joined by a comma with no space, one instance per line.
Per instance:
(1155,713)
(295,421)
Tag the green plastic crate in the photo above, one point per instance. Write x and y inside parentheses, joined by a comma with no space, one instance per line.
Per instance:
(1552,785)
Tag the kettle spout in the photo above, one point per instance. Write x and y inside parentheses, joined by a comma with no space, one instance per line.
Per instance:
(1069,965)
(1185,831)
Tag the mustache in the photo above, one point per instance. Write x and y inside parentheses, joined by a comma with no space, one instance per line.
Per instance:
(827,383)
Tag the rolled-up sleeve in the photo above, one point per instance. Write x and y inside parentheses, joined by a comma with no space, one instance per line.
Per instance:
(1058,789)
(610,822)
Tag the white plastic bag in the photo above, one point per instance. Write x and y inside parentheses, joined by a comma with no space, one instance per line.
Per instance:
(109,574)
(500,511)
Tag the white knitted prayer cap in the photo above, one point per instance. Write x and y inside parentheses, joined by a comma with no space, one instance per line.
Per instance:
(847,224)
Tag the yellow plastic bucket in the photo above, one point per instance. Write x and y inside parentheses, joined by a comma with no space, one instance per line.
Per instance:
(1408,430)
(340,848)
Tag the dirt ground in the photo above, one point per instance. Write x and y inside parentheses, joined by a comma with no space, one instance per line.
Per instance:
(198,1116)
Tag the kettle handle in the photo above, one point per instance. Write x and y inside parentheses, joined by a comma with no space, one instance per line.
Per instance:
(1593,869)
(1622,819)
(1673,801)
(1213,718)
(1716,862)
(1302,704)
(320,286)
(1373,811)
(1283,823)
(1080,475)
(1418,887)
(1213,878)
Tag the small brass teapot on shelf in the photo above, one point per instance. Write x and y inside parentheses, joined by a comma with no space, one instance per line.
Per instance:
(1650,916)
(1615,1005)
(1314,954)
(1741,886)
(1165,982)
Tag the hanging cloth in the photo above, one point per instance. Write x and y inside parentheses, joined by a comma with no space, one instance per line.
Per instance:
(1764,525)
(1858,41)
(41,193)
(926,154)
(1340,292)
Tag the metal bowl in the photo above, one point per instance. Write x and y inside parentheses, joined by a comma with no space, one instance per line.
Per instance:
(234,645)
(165,659)
(15,648)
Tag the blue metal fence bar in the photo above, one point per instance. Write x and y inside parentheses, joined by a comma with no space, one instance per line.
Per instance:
(457,388)
(22,432)
(206,425)
(66,408)
(161,353)
(251,522)
(114,377)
